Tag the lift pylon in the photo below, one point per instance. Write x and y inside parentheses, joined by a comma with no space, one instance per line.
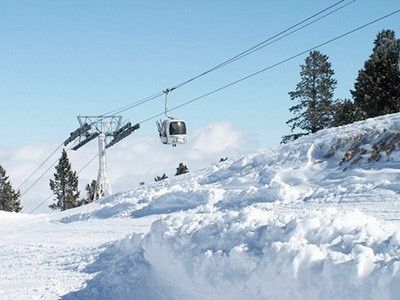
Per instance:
(104,128)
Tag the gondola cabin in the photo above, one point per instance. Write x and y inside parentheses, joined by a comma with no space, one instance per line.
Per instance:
(172,131)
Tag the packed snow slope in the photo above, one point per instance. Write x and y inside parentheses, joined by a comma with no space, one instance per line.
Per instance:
(316,218)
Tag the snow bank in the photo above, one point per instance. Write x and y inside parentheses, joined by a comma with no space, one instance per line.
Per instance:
(252,254)
(259,227)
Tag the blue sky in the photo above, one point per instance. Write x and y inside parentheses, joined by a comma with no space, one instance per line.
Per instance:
(60,59)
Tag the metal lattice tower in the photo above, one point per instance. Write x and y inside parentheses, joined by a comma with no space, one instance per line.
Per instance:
(104,128)
(103,187)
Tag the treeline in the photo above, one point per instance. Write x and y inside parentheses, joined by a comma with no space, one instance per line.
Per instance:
(64,186)
(376,90)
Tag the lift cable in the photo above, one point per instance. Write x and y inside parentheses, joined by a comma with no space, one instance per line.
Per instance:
(135,104)
(278,38)
(273,39)
(264,42)
(51,195)
(43,173)
(41,165)
(274,65)
(47,159)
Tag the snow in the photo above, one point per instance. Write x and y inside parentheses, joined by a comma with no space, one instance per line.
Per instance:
(317,218)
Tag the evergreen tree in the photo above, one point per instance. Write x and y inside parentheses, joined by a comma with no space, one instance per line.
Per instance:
(314,94)
(377,88)
(64,185)
(9,198)
(159,178)
(181,169)
(90,191)
(345,113)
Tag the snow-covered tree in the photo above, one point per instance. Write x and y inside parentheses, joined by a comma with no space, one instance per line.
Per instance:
(377,87)
(65,185)
(313,110)
(9,198)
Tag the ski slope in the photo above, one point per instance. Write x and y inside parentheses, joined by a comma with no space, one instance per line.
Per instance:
(316,218)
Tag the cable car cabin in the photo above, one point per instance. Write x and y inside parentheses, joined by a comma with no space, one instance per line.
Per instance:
(172,131)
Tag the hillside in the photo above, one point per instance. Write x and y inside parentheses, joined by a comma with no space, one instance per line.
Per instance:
(316,218)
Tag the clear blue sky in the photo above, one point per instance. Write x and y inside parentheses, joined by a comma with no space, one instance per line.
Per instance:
(64,58)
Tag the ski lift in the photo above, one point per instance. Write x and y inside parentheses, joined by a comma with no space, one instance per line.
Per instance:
(172,131)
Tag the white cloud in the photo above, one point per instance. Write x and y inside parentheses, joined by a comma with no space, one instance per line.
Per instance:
(214,139)
(129,162)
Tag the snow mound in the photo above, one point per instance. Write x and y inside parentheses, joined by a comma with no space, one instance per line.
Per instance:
(252,254)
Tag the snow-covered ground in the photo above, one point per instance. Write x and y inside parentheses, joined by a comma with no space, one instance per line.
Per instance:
(316,218)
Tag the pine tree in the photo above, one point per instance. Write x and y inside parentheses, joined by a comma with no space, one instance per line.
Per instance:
(181,169)
(162,177)
(377,87)
(90,191)
(9,198)
(345,113)
(64,185)
(314,94)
